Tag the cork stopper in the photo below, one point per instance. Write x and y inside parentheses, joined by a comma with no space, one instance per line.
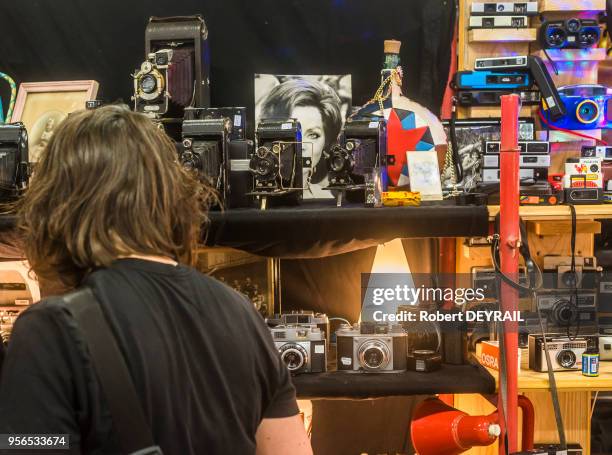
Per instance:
(392,46)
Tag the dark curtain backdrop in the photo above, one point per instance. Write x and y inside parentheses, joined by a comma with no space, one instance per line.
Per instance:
(104,40)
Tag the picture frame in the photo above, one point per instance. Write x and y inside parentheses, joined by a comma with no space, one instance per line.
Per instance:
(42,106)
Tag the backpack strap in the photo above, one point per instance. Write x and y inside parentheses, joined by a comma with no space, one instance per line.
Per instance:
(135,436)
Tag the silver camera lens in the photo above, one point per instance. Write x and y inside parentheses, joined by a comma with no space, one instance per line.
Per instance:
(374,355)
(148,84)
(293,355)
(566,358)
(276,148)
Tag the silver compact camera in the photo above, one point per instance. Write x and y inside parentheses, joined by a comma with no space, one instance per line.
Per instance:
(565,309)
(558,273)
(301,348)
(565,353)
(373,348)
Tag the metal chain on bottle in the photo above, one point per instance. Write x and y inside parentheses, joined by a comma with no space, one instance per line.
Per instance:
(380,96)
(11,106)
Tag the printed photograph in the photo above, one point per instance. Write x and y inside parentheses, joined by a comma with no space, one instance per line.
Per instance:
(320,103)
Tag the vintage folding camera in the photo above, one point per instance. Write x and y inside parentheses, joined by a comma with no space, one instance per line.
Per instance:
(301,348)
(299,318)
(276,163)
(187,37)
(571,33)
(362,148)
(14,165)
(205,151)
(564,310)
(371,348)
(557,272)
(151,95)
(564,353)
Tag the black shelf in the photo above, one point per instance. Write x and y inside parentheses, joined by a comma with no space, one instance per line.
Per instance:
(469,378)
(314,230)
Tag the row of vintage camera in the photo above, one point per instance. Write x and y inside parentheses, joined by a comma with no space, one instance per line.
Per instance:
(302,339)
(279,164)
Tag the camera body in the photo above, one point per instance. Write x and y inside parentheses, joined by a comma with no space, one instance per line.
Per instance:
(565,354)
(371,348)
(362,149)
(301,318)
(205,151)
(567,309)
(14,161)
(276,163)
(151,95)
(570,34)
(586,107)
(301,348)
(558,275)
(187,37)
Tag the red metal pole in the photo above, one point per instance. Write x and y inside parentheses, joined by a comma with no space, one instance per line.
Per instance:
(509,258)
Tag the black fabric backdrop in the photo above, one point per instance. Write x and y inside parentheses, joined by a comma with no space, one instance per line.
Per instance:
(104,40)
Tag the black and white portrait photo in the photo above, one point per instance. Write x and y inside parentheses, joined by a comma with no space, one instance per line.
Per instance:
(321,105)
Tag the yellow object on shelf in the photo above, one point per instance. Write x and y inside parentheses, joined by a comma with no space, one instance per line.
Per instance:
(401,198)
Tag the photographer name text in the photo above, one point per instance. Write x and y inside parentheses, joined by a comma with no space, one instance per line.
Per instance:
(441,316)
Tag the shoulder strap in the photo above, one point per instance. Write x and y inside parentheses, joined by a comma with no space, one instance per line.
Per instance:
(134,433)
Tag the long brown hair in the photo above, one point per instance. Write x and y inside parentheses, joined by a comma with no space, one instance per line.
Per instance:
(108,184)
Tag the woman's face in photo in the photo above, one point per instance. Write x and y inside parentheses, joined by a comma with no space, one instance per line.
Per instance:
(312,129)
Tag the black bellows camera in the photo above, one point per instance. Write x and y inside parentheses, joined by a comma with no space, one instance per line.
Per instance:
(276,163)
(205,150)
(14,166)
(361,149)
(218,153)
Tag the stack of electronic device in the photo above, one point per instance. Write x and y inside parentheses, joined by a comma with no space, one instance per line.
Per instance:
(497,76)
(534,162)
(604,154)
(492,15)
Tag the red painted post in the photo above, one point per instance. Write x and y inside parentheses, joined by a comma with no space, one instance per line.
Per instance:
(509,258)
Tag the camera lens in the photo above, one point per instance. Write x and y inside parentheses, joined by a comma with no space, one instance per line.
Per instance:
(564,313)
(337,162)
(588,37)
(587,111)
(161,59)
(350,145)
(374,355)
(555,37)
(569,279)
(148,84)
(566,358)
(294,356)
(573,25)
(190,161)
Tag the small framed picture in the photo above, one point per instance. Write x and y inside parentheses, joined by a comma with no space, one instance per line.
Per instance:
(42,106)
(425,175)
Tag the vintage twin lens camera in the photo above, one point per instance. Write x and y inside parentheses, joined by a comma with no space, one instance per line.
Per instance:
(276,163)
(14,166)
(301,348)
(205,150)
(372,348)
(360,151)
(558,273)
(564,353)
(151,94)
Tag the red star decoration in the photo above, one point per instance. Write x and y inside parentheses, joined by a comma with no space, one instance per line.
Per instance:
(400,141)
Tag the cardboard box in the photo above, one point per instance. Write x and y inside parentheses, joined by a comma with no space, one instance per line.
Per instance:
(489,355)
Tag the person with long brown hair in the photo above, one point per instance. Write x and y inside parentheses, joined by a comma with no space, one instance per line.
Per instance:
(110,207)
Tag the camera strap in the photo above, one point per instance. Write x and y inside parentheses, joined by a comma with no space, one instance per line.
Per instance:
(135,436)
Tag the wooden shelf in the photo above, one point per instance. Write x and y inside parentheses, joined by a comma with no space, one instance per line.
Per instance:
(524,35)
(559,136)
(559,212)
(493,112)
(567,381)
(572,5)
(595,54)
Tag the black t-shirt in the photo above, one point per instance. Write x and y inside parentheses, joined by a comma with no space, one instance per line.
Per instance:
(200,356)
